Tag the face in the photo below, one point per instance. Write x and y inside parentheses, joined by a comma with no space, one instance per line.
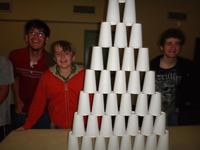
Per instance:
(63,59)
(36,39)
(172,47)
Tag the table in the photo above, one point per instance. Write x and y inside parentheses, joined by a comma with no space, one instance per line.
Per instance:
(180,138)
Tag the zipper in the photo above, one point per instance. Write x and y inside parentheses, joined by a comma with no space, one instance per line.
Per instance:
(66,103)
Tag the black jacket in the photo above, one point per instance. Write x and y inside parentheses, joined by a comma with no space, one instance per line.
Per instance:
(184,90)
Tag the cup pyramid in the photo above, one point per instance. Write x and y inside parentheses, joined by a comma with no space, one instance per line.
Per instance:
(125,114)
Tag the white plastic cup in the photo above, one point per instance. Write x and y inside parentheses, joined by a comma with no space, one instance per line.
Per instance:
(143,60)
(100,143)
(126,143)
(149,83)
(151,142)
(72,142)
(92,129)
(106,126)
(119,125)
(90,81)
(141,105)
(83,104)
(129,17)
(120,82)
(155,104)
(133,125)
(113,143)
(97,58)
(125,105)
(111,104)
(105,36)
(120,40)
(86,143)
(160,124)
(98,104)
(163,141)
(136,36)
(113,15)
(139,142)
(113,63)
(105,82)
(147,125)
(128,63)
(78,129)
(134,82)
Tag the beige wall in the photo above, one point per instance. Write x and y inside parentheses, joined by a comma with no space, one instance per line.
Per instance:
(65,24)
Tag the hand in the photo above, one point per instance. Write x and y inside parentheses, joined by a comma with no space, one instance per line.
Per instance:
(20,129)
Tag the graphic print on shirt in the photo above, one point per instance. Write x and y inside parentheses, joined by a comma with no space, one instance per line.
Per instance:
(166,84)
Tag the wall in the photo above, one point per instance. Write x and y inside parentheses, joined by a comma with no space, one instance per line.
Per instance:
(65,24)
(153,16)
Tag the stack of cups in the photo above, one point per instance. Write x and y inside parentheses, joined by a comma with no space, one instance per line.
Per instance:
(119,135)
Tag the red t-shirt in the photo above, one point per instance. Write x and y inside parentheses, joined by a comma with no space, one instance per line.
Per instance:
(28,75)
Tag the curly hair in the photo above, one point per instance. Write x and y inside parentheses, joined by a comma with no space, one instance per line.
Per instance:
(38,24)
(172,33)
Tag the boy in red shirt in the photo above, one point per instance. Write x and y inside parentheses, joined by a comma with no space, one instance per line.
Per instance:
(58,89)
(29,63)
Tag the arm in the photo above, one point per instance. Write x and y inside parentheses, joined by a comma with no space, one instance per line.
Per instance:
(17,100)
(15,85)
(3,92)
(6,77)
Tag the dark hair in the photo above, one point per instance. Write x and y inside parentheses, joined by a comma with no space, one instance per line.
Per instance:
(38,24)
(64,44)
(172,32)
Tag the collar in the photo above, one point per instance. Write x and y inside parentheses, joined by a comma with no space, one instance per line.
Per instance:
(55,71)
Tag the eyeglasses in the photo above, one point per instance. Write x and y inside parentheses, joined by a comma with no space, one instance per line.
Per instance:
(39,34)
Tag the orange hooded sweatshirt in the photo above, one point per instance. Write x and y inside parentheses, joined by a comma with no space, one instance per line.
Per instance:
(60,97)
